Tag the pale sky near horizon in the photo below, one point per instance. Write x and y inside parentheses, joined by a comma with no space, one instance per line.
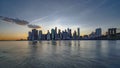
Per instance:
(85,14)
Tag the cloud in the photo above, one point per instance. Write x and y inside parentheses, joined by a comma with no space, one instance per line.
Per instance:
(34,26)
(16,21)
(19,22)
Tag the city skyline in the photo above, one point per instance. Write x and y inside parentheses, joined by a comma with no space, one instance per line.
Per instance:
(85,14)
(58,34)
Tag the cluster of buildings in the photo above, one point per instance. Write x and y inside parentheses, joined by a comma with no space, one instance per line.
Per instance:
(57,34)
(54,34)
(94,35)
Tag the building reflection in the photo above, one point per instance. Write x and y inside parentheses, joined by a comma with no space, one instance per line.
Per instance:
(69,43)
(78,43)
(98,48)
(53,42)
(112,47)
(40,42)
(53,48)
(33,50)
(32,42)
(59,42)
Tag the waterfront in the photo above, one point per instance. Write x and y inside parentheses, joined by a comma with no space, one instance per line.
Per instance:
(60,54)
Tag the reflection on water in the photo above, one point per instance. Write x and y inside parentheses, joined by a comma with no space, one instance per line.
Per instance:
(60,54)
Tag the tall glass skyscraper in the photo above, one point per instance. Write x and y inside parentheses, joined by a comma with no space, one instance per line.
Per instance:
(53,34)
(98,32)
(78,30)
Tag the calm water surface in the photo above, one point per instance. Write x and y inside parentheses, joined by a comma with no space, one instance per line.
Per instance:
(60,54)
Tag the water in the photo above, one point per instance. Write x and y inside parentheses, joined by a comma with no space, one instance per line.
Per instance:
(60,54)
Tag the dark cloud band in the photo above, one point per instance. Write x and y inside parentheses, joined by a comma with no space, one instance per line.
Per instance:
(19,22)
(16,21)
(33,26)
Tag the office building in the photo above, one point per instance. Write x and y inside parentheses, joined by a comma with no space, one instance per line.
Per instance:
(112,31)
(29,35)
(48,35)
(34,34)
(74,35)
(40,35)
(78,31)
(53,34)
(98,32)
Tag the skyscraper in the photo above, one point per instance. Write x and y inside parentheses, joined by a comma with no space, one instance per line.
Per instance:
(64,35)
(29,35)
(69,33)
(78,30)
(53,34)
(40,35)
(56,35)
(59,34)
(55,30)
(48,35)
(74,35)
(34,34)
(98,32)
(112,31)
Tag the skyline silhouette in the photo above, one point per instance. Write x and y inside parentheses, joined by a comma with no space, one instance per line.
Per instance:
(58,34)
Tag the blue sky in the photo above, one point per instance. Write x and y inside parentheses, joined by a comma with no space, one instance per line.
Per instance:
(86,14)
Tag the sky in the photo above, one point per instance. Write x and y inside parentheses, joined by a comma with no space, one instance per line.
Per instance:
(85,14)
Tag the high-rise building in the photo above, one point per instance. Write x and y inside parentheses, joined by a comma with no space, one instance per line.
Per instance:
(48,35)
(53,34)
(59,34)
(34,34)
(29,35)
(56,35)
(74,35)
(78,30)
(112,31)
(64,35)
(98,32)
(55,30)
(44,37)
(69,33)
(40,35)
(92,35)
